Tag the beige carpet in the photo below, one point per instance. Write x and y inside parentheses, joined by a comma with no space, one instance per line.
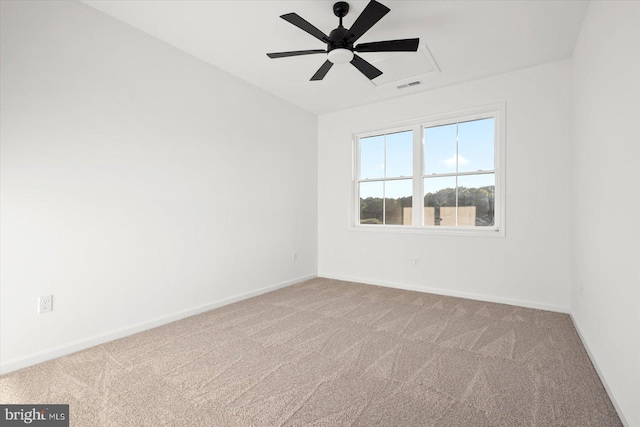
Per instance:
(331,353)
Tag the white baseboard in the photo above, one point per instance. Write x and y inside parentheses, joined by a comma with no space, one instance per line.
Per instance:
(75,346)
(438,291)
(602,378)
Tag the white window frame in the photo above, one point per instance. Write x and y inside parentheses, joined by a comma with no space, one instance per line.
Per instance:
(495,111)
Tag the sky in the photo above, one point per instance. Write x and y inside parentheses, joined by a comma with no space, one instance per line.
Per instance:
(475,151)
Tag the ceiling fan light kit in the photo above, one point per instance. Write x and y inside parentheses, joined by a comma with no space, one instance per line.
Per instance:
(340,41)
(340,56)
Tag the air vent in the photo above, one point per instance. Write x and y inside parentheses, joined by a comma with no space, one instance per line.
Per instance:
(416,83)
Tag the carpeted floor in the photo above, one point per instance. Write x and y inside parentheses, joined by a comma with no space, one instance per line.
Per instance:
(331,353)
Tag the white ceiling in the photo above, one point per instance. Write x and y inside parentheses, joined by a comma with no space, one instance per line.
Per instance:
(467,40)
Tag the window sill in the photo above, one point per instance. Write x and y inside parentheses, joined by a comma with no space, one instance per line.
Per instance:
(442,231)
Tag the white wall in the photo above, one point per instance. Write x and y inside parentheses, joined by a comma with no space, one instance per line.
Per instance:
(530,266)
(606,202)
(138,183)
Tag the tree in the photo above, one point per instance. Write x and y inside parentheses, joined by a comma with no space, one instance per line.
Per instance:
(482,198)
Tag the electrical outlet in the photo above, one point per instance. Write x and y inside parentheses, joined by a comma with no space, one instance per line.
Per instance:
(416,262)
(581,290)
(294,256)
(45,304)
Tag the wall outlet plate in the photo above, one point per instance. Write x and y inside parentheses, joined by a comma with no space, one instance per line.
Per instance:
(45,304)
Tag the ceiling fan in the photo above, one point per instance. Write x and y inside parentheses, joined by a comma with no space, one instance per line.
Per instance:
(340,41)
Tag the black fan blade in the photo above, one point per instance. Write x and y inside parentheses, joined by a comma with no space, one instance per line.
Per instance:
(322,71)
(299,22)
(295,53)
(365,68)
(367,19)
(405,45)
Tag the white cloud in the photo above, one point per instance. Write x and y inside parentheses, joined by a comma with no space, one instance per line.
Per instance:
(451,161)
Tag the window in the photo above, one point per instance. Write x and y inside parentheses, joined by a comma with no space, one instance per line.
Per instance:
(386,178)
(449,167)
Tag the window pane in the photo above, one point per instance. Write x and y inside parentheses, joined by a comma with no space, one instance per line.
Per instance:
(476,145)
(397,202)
(400,154)
(440,149)
(372,157)
(440,201)
(476,200)
(371,202)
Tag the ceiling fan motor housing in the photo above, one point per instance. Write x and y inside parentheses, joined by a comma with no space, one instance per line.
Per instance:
(337,39)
